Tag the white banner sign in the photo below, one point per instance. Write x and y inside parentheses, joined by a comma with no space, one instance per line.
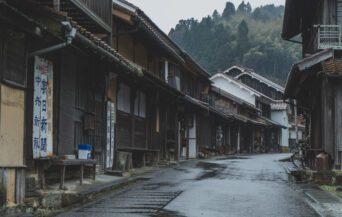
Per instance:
(110,134)
(42,108)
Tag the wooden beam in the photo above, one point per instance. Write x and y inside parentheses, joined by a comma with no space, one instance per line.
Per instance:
(124,16)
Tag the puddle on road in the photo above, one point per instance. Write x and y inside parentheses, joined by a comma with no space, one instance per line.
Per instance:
(233,158)
(208,166)
(181,169)
(168,213)
(212,170)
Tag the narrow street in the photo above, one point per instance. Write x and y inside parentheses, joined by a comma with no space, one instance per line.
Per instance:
(240,186)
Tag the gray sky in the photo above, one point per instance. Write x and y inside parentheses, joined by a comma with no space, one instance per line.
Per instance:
(167,13)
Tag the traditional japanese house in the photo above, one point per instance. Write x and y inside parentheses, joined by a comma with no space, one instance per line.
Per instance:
(269,93)
(53,89)
(261,134)
(252,129)
(173,102)
(314,81)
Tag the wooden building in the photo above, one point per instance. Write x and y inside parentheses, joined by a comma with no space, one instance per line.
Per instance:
(314,82)
(268,94)
(178,112)
(53,77)
(254,132)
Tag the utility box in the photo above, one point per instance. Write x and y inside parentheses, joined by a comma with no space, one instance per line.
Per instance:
(322,162)
(84,151)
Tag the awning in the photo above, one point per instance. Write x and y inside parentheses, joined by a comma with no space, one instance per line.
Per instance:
(299,72)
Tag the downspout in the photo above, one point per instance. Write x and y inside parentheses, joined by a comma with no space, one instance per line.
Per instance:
(70,34)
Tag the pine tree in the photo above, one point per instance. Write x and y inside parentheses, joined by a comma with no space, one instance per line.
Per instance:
(228,11)
(243,30)
(248,8)
(242,7)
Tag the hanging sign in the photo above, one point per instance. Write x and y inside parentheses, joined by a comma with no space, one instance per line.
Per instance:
(42,108)
(110,134)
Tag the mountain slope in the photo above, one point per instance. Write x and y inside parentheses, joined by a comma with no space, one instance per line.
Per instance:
(239,36)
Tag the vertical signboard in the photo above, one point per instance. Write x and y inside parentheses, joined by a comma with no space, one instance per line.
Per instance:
(42,108)
(110,134)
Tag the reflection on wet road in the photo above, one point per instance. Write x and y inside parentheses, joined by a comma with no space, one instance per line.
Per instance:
(239,186)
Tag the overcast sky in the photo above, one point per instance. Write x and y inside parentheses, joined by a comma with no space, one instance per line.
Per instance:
(167,13)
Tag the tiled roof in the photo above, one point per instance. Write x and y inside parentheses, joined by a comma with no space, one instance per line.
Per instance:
(257,76)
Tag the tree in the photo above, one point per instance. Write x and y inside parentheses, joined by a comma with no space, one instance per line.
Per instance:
(249,38)
(228,11)
(242,7)
(243,30)
(248,8)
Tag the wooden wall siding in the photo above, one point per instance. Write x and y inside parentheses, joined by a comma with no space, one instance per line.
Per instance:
(328,13)
(140,133)
(20,186)
(205,129)
(141,55)
(66,106)
(3,186)
(316,117)
(102,8)
(126,46)
(338,124)
(123,130)
(14,58)
(12,186)
(328,108)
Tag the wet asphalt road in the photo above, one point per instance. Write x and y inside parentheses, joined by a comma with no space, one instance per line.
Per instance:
(254,185)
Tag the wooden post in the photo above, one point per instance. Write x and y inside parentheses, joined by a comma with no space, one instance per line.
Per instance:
(238,140)
(176,152)
(62,178)
(229,140)
(81,174)
(252,140)
(42,177)
(165,131)
(94,171)
(133,95)
(187,140)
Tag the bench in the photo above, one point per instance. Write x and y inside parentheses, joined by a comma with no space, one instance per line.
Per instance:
(63,164)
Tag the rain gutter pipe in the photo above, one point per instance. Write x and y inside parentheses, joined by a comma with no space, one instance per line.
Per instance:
(70,34)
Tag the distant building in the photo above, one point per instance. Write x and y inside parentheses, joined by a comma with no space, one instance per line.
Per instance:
(268,98)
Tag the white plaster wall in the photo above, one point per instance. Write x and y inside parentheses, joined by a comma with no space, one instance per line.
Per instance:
(234,89)
(293,134)
(281,117)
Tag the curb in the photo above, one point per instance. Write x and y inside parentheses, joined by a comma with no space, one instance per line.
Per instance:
(82,198)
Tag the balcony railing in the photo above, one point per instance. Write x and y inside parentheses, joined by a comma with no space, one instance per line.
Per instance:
(94,15)
(329,36)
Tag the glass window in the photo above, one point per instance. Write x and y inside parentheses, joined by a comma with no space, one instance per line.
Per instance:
(124,98)
(140,104)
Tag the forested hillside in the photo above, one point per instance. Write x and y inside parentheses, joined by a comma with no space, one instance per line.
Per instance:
(239,36)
